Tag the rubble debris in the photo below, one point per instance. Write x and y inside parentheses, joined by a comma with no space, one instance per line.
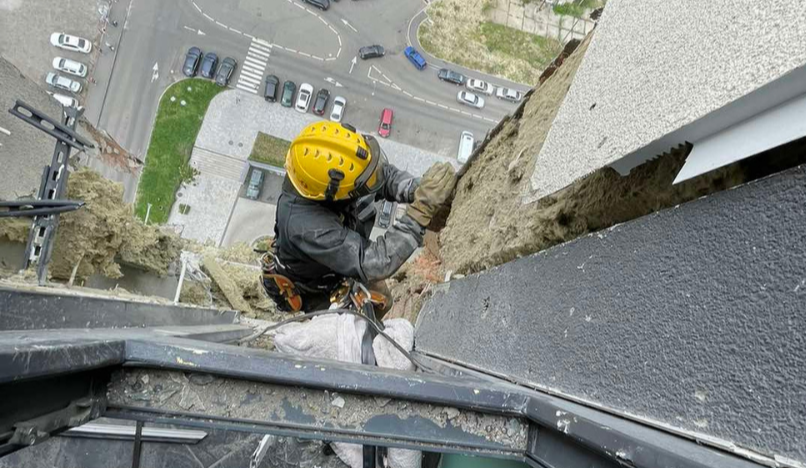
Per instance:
(15,229)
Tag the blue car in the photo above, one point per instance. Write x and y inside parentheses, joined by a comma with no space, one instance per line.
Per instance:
(415,57)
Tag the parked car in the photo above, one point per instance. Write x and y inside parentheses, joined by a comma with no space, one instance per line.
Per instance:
(469,99)
(70,66)
(321,4)
(255,184)
(65,100)
(270,91)
(466,146)
(415,57)
(385,128)
(508,94)
(192,60)
(225,71)
(304,97)
(373,51)
(209,65)
(387,213)
(321,101)
(451,76)
(480,86)
(287,99)
(62,82)
(337,113)
(68,42)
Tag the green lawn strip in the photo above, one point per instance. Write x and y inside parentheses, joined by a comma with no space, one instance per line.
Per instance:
(577,8)
(539,51)
(168,157)
(269,150)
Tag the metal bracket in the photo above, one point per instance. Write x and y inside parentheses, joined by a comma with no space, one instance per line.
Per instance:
(53,128)
(31,208)
(75,414)
(260,451)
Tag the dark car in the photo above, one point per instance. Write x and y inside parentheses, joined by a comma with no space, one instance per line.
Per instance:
(192,60)
(209,65)
(386,214)
(451,76)
(321,4)
(289,90)
(270,91)
(373,51)
(321,101)
(225,71)
(255,184)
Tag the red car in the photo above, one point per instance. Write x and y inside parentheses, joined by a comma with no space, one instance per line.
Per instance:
(386,123)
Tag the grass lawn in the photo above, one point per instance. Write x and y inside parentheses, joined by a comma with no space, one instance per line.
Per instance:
(168,157)
(577,8)
(460,31)
(269,150)
(538,51)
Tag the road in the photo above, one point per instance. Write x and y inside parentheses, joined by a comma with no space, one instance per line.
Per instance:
(294,42)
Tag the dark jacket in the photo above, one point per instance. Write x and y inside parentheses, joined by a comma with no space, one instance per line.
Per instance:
(319,244)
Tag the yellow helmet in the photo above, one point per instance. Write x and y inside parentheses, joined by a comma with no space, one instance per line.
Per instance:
(330,161)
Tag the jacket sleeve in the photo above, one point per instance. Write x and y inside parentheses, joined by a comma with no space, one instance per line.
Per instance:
(347,253)
(399,186)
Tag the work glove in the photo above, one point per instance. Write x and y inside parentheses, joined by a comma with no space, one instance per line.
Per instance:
(435,187)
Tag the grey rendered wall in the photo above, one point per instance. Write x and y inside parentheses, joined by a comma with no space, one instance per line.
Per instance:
(694,317)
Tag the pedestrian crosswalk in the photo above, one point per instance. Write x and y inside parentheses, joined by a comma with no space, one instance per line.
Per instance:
(257,58)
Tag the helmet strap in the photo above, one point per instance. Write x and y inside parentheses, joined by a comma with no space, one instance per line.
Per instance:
(336,176)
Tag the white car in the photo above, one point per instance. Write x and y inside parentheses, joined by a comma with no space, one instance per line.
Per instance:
(70,66)
(339,103)
(64,100)
(466,143)
(62,82)
(480,86)
(508,94)
(304,97)
(469,99)
(68,42)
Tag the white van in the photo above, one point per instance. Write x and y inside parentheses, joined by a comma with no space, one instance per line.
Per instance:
(465,146)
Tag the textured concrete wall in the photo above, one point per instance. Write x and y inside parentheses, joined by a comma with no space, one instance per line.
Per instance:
(694,317)
(655,66)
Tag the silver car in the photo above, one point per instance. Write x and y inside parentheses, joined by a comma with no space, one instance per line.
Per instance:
(337,113)
(70,66)
(62,82)
(65,100)
(469,99)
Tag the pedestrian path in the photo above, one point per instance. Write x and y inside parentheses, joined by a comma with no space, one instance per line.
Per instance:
(257,58)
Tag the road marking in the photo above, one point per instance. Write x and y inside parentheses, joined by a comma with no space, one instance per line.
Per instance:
(318,58)
(430,102)
(299,6)
(197,6)
(456,110)
(419,99)
(407,93)
(443,106)
(291,50)
(256,51)
(248,80)
(349,25)
(352,64)
(490,120)
(278,46)
(251,74)
(260,47)
(305,54)
(477,116)
(235,30)
(208,17)
(221,24)
(248,89)
(262,42)
(249,36)
(322,20)
(189,29)
(396,87)
(339,40)
(252,63)
(333,29)
(466,113)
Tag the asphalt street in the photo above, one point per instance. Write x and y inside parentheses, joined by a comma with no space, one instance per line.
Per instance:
(293,41)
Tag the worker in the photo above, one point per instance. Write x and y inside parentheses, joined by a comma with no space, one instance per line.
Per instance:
(326,211)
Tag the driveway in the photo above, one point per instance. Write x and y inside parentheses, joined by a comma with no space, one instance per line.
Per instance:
(250,220)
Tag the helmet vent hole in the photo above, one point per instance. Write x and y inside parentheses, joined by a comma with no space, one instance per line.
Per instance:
(352,167)
(305,152)
(329,157)
(341,161)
